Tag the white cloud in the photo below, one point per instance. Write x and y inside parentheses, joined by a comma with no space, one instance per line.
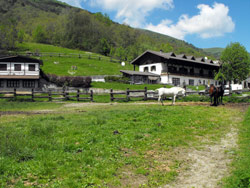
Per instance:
(132,12)
(75,3)
(210,22)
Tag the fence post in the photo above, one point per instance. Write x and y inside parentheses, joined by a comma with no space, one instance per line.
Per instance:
(127,94)
(78,95)
(32,95)
(15,93)
(91,96)
(145,94)
(49,95)
(111,95)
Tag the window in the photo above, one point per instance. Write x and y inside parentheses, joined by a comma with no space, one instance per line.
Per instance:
(201,72)
(172,69)
(210,73)
(145,69)
(192,71)
(153,68)
(3,67)
(176,81)
(29,83)
(191,82)
(32,67)
(183,70)
(1,83)
(17,67)
(13,83)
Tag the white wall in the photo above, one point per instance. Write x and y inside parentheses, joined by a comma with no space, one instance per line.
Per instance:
(24,69)
(197,80)
(158,67)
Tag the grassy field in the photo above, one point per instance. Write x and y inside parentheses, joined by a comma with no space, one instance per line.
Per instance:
(241,166)
(119,145)
(62,65)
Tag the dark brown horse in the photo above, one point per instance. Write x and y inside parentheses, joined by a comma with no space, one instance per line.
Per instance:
(216,93)
(213,93)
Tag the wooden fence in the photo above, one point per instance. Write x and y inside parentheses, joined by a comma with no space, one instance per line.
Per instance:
(143,94)
(70,55)
(62,95)
(128,95)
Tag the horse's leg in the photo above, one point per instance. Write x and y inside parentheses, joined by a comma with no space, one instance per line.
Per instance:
(160,99)
(222,100)
(173,100)
(211,100)
(214,103)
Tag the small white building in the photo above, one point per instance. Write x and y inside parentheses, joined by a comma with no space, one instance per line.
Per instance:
(19,72)
(177,69)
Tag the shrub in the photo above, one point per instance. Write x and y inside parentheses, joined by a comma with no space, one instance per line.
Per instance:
(72,81)
(124,80)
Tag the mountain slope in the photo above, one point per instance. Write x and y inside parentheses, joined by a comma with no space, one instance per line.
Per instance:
(53,22)
(216,52)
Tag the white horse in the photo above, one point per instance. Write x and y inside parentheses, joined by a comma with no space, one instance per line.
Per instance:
(170,92)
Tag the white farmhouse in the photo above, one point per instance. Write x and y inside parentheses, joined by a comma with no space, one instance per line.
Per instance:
(177,69)
(19,72)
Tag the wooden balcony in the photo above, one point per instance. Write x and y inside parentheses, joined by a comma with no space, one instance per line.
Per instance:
(183,73)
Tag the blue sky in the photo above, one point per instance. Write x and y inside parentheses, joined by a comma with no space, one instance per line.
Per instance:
(203,23)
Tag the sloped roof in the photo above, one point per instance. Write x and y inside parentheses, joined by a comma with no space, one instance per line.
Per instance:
(181,57)
(191,57)
(20,59)
(139,73)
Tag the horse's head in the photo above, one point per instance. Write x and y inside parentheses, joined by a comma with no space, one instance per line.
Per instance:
(182,92)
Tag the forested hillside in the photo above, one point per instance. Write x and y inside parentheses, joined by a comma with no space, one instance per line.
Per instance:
(216,52)
(53,22)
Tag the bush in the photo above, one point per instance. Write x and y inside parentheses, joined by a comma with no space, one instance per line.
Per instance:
(123,80)
(72,81)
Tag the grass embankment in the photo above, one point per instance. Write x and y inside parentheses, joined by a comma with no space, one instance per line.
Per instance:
(86,65)
(241,165)
(121,86)
(104,146)
(27,106)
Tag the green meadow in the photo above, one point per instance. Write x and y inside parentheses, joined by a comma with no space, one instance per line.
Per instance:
(88,64)
(120,145)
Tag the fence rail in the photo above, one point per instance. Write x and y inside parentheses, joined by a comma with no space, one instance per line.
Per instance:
(126,95)
(69,55)
(62,95)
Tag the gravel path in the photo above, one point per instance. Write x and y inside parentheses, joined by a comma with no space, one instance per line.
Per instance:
(208,165)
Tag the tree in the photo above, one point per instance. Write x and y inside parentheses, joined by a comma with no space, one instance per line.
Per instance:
(104,47)
(39,35)
(20,36)
(8,35)
(235,62)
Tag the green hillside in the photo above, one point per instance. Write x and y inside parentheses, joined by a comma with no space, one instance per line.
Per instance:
(216,52)
(59,61)
(56,23)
